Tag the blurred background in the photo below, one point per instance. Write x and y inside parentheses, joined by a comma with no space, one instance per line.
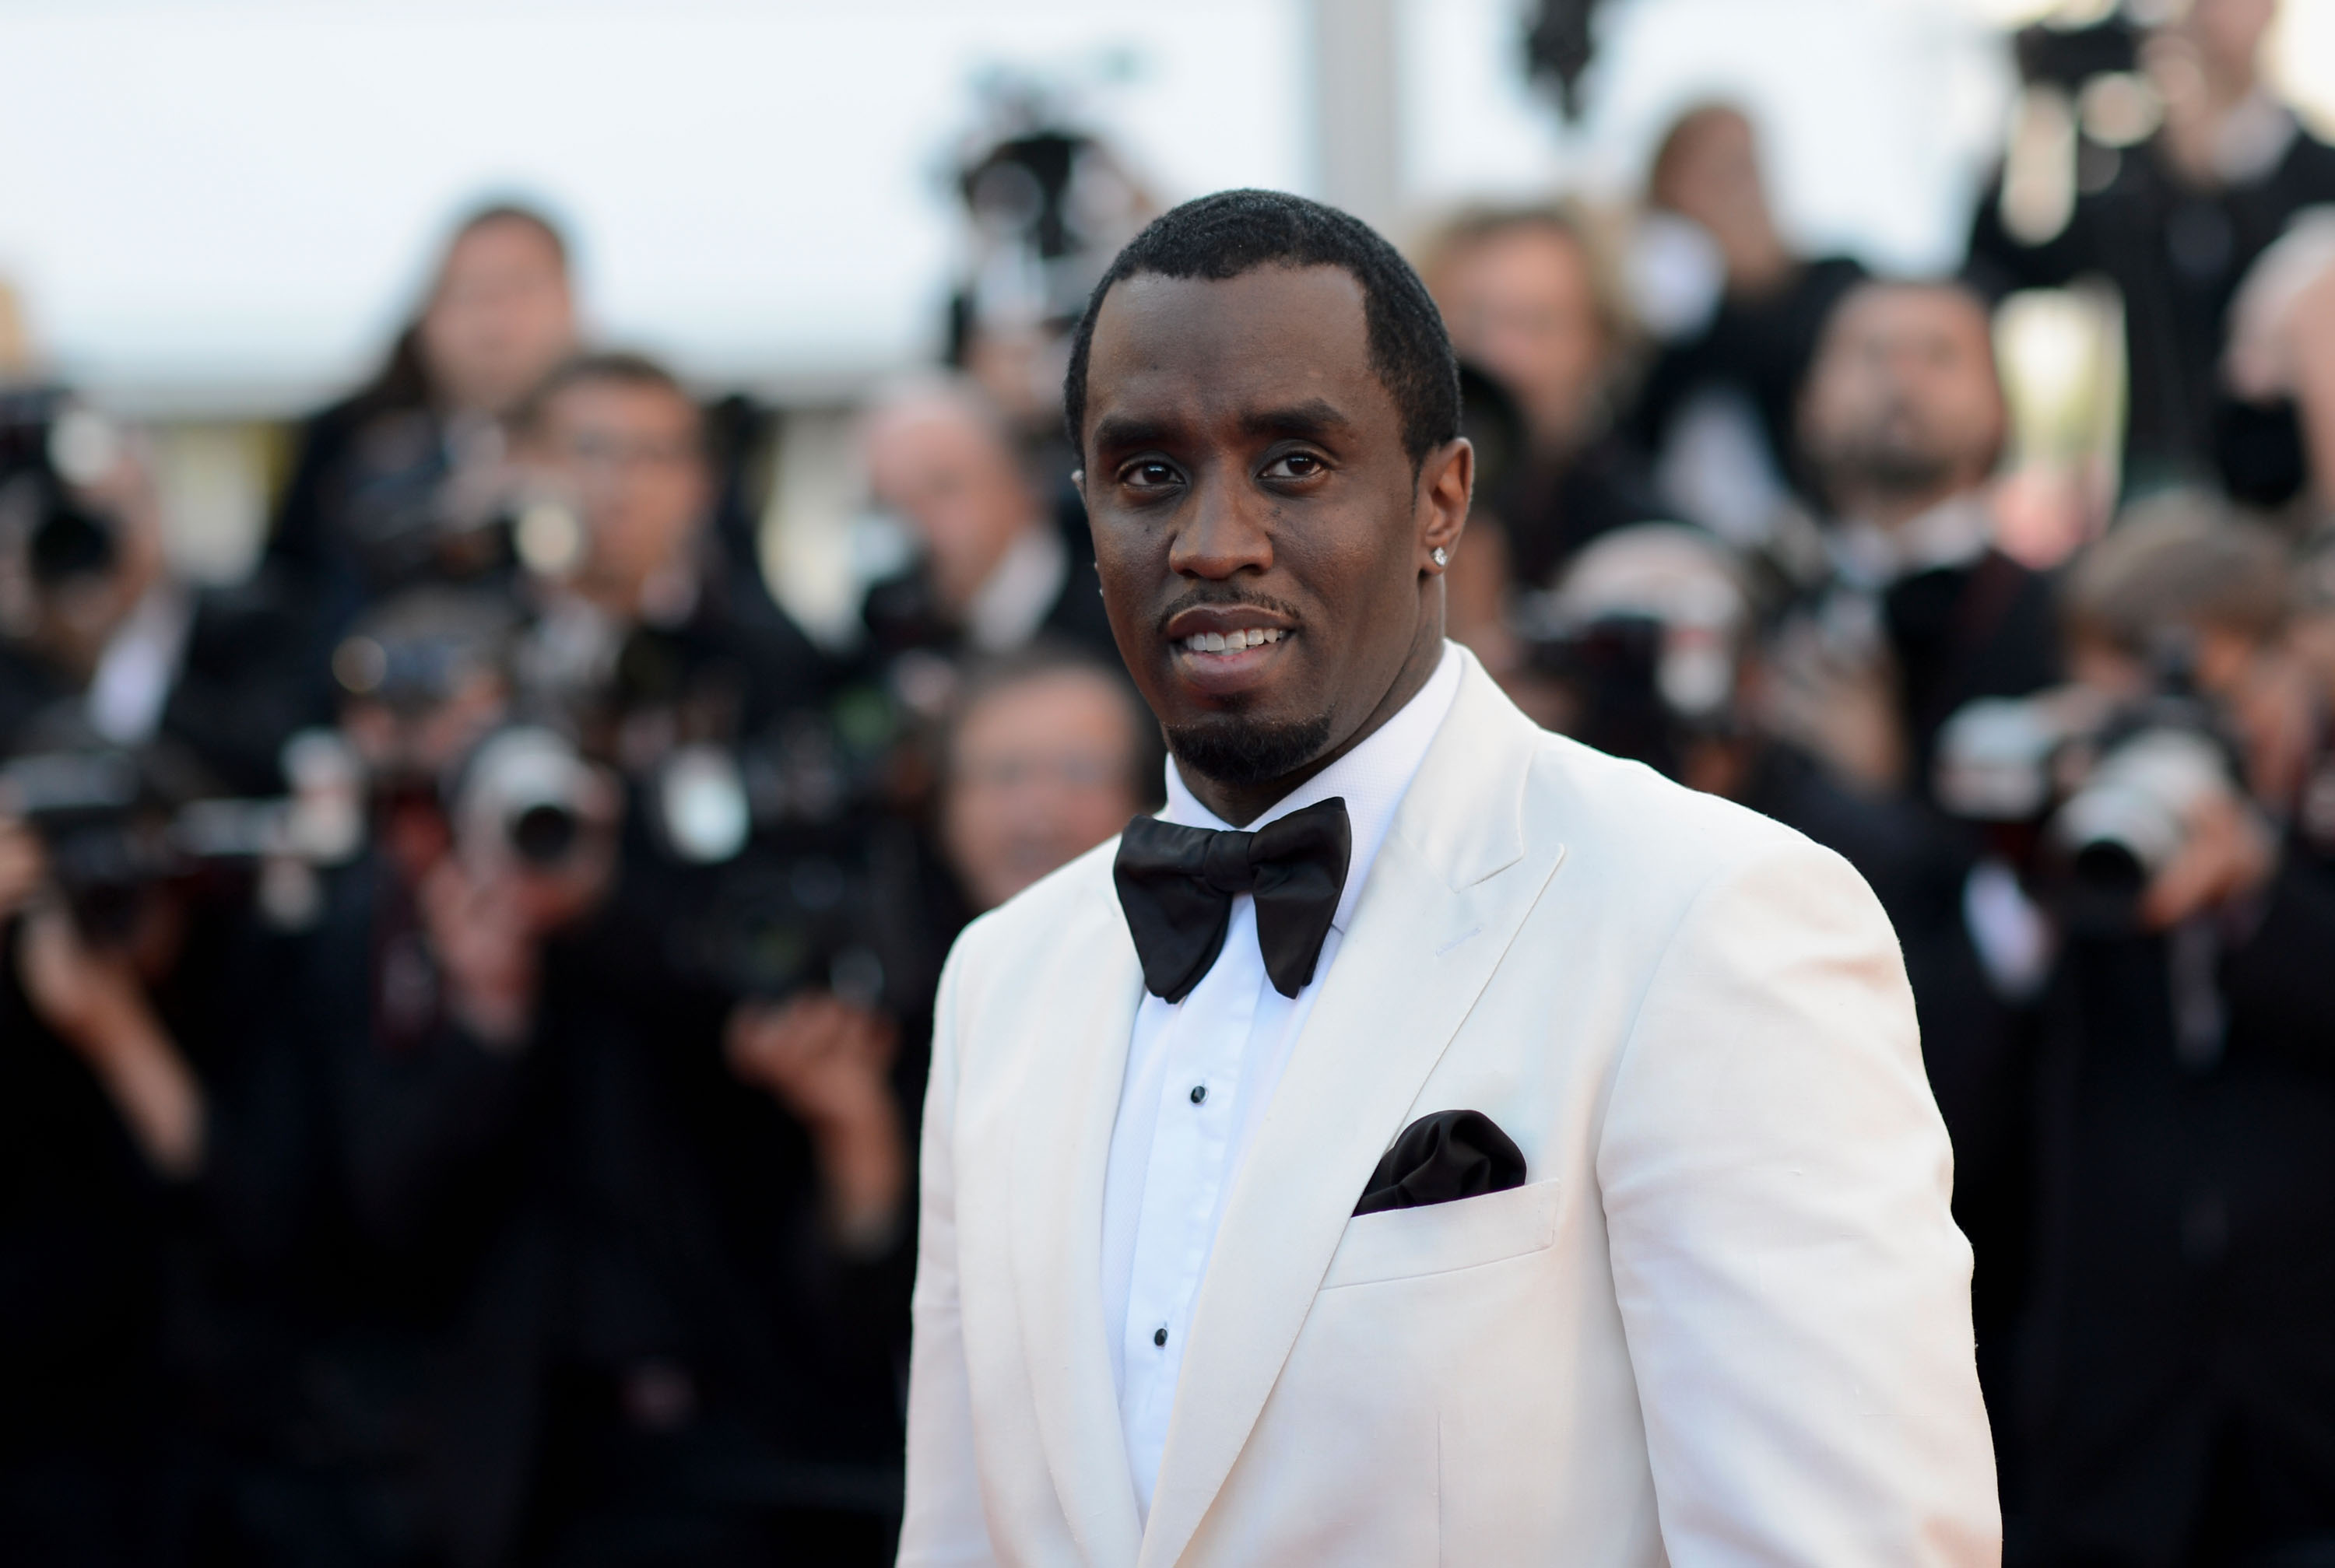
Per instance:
(539,588)
(762,193)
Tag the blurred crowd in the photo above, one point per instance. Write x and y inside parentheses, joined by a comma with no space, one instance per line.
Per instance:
(464,989)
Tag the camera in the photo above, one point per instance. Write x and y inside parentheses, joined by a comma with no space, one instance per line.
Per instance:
(2112,786)
(49,446)
(527,794)
(114,822)
(1645,633)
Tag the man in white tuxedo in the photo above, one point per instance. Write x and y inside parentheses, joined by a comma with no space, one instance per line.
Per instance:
(1428,1140)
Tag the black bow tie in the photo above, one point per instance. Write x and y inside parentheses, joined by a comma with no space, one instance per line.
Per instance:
(1177,884)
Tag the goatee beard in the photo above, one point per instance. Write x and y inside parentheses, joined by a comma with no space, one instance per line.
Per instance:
(1241,753)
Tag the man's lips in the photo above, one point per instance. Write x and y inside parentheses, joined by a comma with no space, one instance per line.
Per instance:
(1217,628)
(1223,650)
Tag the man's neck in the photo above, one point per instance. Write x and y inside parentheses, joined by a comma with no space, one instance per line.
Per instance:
(1240,805)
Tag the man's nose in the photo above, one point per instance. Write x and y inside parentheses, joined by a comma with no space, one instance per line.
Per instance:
(1225,530)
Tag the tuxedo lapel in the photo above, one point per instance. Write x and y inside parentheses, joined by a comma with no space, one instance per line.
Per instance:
(1454,880)
(1067,1103)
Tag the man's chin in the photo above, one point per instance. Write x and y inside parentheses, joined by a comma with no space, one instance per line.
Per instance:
(1240,750)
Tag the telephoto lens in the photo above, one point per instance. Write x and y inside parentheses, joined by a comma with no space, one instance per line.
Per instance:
(2131,817)
(525,791)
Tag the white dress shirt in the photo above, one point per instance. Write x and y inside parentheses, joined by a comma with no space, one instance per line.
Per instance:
(1201,1071)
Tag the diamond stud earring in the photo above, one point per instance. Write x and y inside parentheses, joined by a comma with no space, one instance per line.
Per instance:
(1441,556)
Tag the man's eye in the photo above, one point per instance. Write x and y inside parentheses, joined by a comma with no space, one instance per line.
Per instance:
(1148,476)
(1294,466)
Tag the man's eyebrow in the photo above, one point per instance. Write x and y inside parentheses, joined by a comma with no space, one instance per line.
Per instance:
(1315,418)
(1114,432)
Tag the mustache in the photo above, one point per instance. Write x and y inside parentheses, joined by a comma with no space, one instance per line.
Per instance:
(1213,597)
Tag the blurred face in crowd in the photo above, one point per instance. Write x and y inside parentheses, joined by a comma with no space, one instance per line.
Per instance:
(1521,302)
(629,455)
(1903,407)
(2226,36)
(1040,771)
(1245,476)
(501,316)
(954,478)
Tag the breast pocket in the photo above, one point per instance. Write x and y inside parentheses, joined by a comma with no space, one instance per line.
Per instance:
(1409,1244)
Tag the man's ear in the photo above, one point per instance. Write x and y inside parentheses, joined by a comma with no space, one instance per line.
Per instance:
(1447,482)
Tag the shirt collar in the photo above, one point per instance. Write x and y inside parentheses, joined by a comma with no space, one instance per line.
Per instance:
(1372,778)
(1954,533)
(1011,602)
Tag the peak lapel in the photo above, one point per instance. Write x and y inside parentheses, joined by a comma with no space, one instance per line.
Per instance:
(1068,1101)
(1450,886)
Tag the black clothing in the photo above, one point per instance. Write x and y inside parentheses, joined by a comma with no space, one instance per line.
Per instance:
(732,672)
(367,511)
(663,1354)
(1758,346)
(2176,256)
(244,685)
(104,1311)
(1990,629)
(82,1229)
(902,613)
(2180,1391)
(1549,510)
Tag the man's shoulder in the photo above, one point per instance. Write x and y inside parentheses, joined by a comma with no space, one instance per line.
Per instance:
(1653,839)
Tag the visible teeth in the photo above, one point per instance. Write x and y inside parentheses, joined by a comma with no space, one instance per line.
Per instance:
(1230,642)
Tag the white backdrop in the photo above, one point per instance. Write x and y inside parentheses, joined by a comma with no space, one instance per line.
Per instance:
(231,200)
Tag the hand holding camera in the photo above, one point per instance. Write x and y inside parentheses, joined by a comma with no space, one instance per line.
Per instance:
(829,1061)
(2226,851)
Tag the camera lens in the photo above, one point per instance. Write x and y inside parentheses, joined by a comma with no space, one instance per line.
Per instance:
(543,834)
(69,542)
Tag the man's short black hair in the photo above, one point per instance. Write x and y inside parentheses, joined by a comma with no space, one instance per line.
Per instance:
(1235,232)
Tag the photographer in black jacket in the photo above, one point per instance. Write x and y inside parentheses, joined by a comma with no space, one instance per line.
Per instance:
(2180,1377)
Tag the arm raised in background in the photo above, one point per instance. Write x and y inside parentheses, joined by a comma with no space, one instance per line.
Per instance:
(1797,1299)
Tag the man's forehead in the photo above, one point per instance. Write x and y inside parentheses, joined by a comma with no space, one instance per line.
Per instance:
(1274,334)
(1899,309)
(609,400)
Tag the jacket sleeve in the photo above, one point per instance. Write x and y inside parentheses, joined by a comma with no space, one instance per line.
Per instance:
(943,1525)
(1776,1183)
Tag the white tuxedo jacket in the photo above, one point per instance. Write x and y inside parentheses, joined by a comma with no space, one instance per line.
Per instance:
(1726,1321)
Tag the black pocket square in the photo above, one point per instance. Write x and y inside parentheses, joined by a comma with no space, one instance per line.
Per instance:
(1442,1158)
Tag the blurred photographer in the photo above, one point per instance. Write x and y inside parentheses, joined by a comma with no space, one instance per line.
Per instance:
(993,566)
(1917,612)
(398,1050)
(680,1335)
(1721,403)
(2157,155)
(1533,303)
(103,1122)
(640,633)
(407,481)
(2179,1405)
(93,619)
